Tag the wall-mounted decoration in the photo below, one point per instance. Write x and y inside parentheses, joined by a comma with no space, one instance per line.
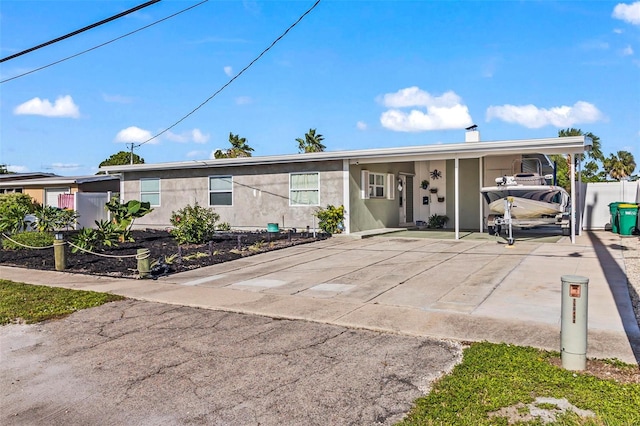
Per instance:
(433,190)
(425,200)
(441,199)
(436,174)
(424,184)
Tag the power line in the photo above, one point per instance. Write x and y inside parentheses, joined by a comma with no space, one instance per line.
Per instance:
(235,76)
(104,44)
(81,30)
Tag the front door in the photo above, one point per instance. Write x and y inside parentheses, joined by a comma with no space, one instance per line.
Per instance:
(405,199)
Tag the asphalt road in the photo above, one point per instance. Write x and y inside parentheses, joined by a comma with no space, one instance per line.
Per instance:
(143,363)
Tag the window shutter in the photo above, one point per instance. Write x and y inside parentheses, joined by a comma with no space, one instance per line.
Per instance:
(391,187)
(364,184)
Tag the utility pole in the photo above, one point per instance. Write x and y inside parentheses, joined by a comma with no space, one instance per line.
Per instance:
(131,156)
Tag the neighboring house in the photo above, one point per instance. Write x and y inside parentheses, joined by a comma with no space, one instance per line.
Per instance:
(87,195)
(380,188)
(8,188)
(47,190)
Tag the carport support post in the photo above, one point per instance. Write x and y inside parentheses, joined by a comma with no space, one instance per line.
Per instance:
(59,254)
(573,322)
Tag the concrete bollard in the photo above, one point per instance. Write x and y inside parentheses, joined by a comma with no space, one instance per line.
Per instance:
(143,256)
(573,322)
(59,253)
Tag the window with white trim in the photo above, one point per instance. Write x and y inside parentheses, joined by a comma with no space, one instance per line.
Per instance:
(304,189)
(150,191)
(10,190)
(220,190)
(377,185)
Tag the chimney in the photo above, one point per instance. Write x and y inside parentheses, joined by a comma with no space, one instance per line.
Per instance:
(472,134)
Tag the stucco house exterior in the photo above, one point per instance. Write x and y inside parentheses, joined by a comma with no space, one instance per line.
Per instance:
(379,188)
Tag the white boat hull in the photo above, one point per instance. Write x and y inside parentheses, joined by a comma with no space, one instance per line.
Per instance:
(528,202)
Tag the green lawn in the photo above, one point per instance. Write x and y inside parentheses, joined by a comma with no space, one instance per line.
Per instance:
(493,376)
(33,303)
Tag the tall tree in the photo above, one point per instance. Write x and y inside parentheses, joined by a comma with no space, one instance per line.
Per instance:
(620,165)
(239,148)
(311,142)
(3,170)
(590,169)
(121,158)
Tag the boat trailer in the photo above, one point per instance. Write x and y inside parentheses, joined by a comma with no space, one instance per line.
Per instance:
(495,223)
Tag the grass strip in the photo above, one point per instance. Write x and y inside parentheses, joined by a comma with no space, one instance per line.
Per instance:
(29,304)
(493,376)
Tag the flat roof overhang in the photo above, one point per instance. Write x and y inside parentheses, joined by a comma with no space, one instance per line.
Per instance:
(548,146)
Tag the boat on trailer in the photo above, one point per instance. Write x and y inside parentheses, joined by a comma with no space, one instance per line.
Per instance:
(526,200)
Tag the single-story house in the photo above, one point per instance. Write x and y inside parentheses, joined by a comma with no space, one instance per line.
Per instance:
(7,188)
(47,190)
(379,188)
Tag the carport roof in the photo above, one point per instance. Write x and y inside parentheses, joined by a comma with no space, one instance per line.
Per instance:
(548,146)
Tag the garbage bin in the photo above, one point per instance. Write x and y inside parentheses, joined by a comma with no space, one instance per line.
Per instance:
(613,209)
(627,218)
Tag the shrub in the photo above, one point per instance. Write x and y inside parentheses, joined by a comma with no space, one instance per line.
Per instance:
(124,214)
(13,208)
(437,221)
(331,219)
(194,224)
(32,239)
(51,218)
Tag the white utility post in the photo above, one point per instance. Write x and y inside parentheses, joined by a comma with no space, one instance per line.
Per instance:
(456,198)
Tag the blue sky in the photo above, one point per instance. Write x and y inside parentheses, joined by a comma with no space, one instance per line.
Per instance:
(365,74)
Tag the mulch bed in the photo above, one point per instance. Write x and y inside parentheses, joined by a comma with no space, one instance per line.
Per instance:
(169,256)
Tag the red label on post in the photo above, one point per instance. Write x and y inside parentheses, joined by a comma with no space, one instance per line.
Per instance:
(574,290)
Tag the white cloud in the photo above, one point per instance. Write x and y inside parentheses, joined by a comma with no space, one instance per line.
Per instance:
(532,117)
(194,135)
(65,166)
(243,100)
(17,169)
(118,99)
(627,51)
(442,112)
(617,31)
(199,137)
(228,71)
(63,107)
(627,12)
(361,125)
(196,154)
(134,134)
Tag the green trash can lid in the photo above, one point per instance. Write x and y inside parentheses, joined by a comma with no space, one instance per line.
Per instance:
(627,206)
(574,279)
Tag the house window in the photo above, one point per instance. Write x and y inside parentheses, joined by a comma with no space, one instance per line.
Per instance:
(304,189)
(10,190)
(220,190)
(377,185)
(150,191)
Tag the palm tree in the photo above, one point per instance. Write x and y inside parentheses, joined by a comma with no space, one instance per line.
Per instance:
(590,169)
(620,165)
(239,148)
(311,142)
(596,147)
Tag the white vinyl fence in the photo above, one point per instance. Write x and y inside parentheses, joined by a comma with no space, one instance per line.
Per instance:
(91,207)
(597,196)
